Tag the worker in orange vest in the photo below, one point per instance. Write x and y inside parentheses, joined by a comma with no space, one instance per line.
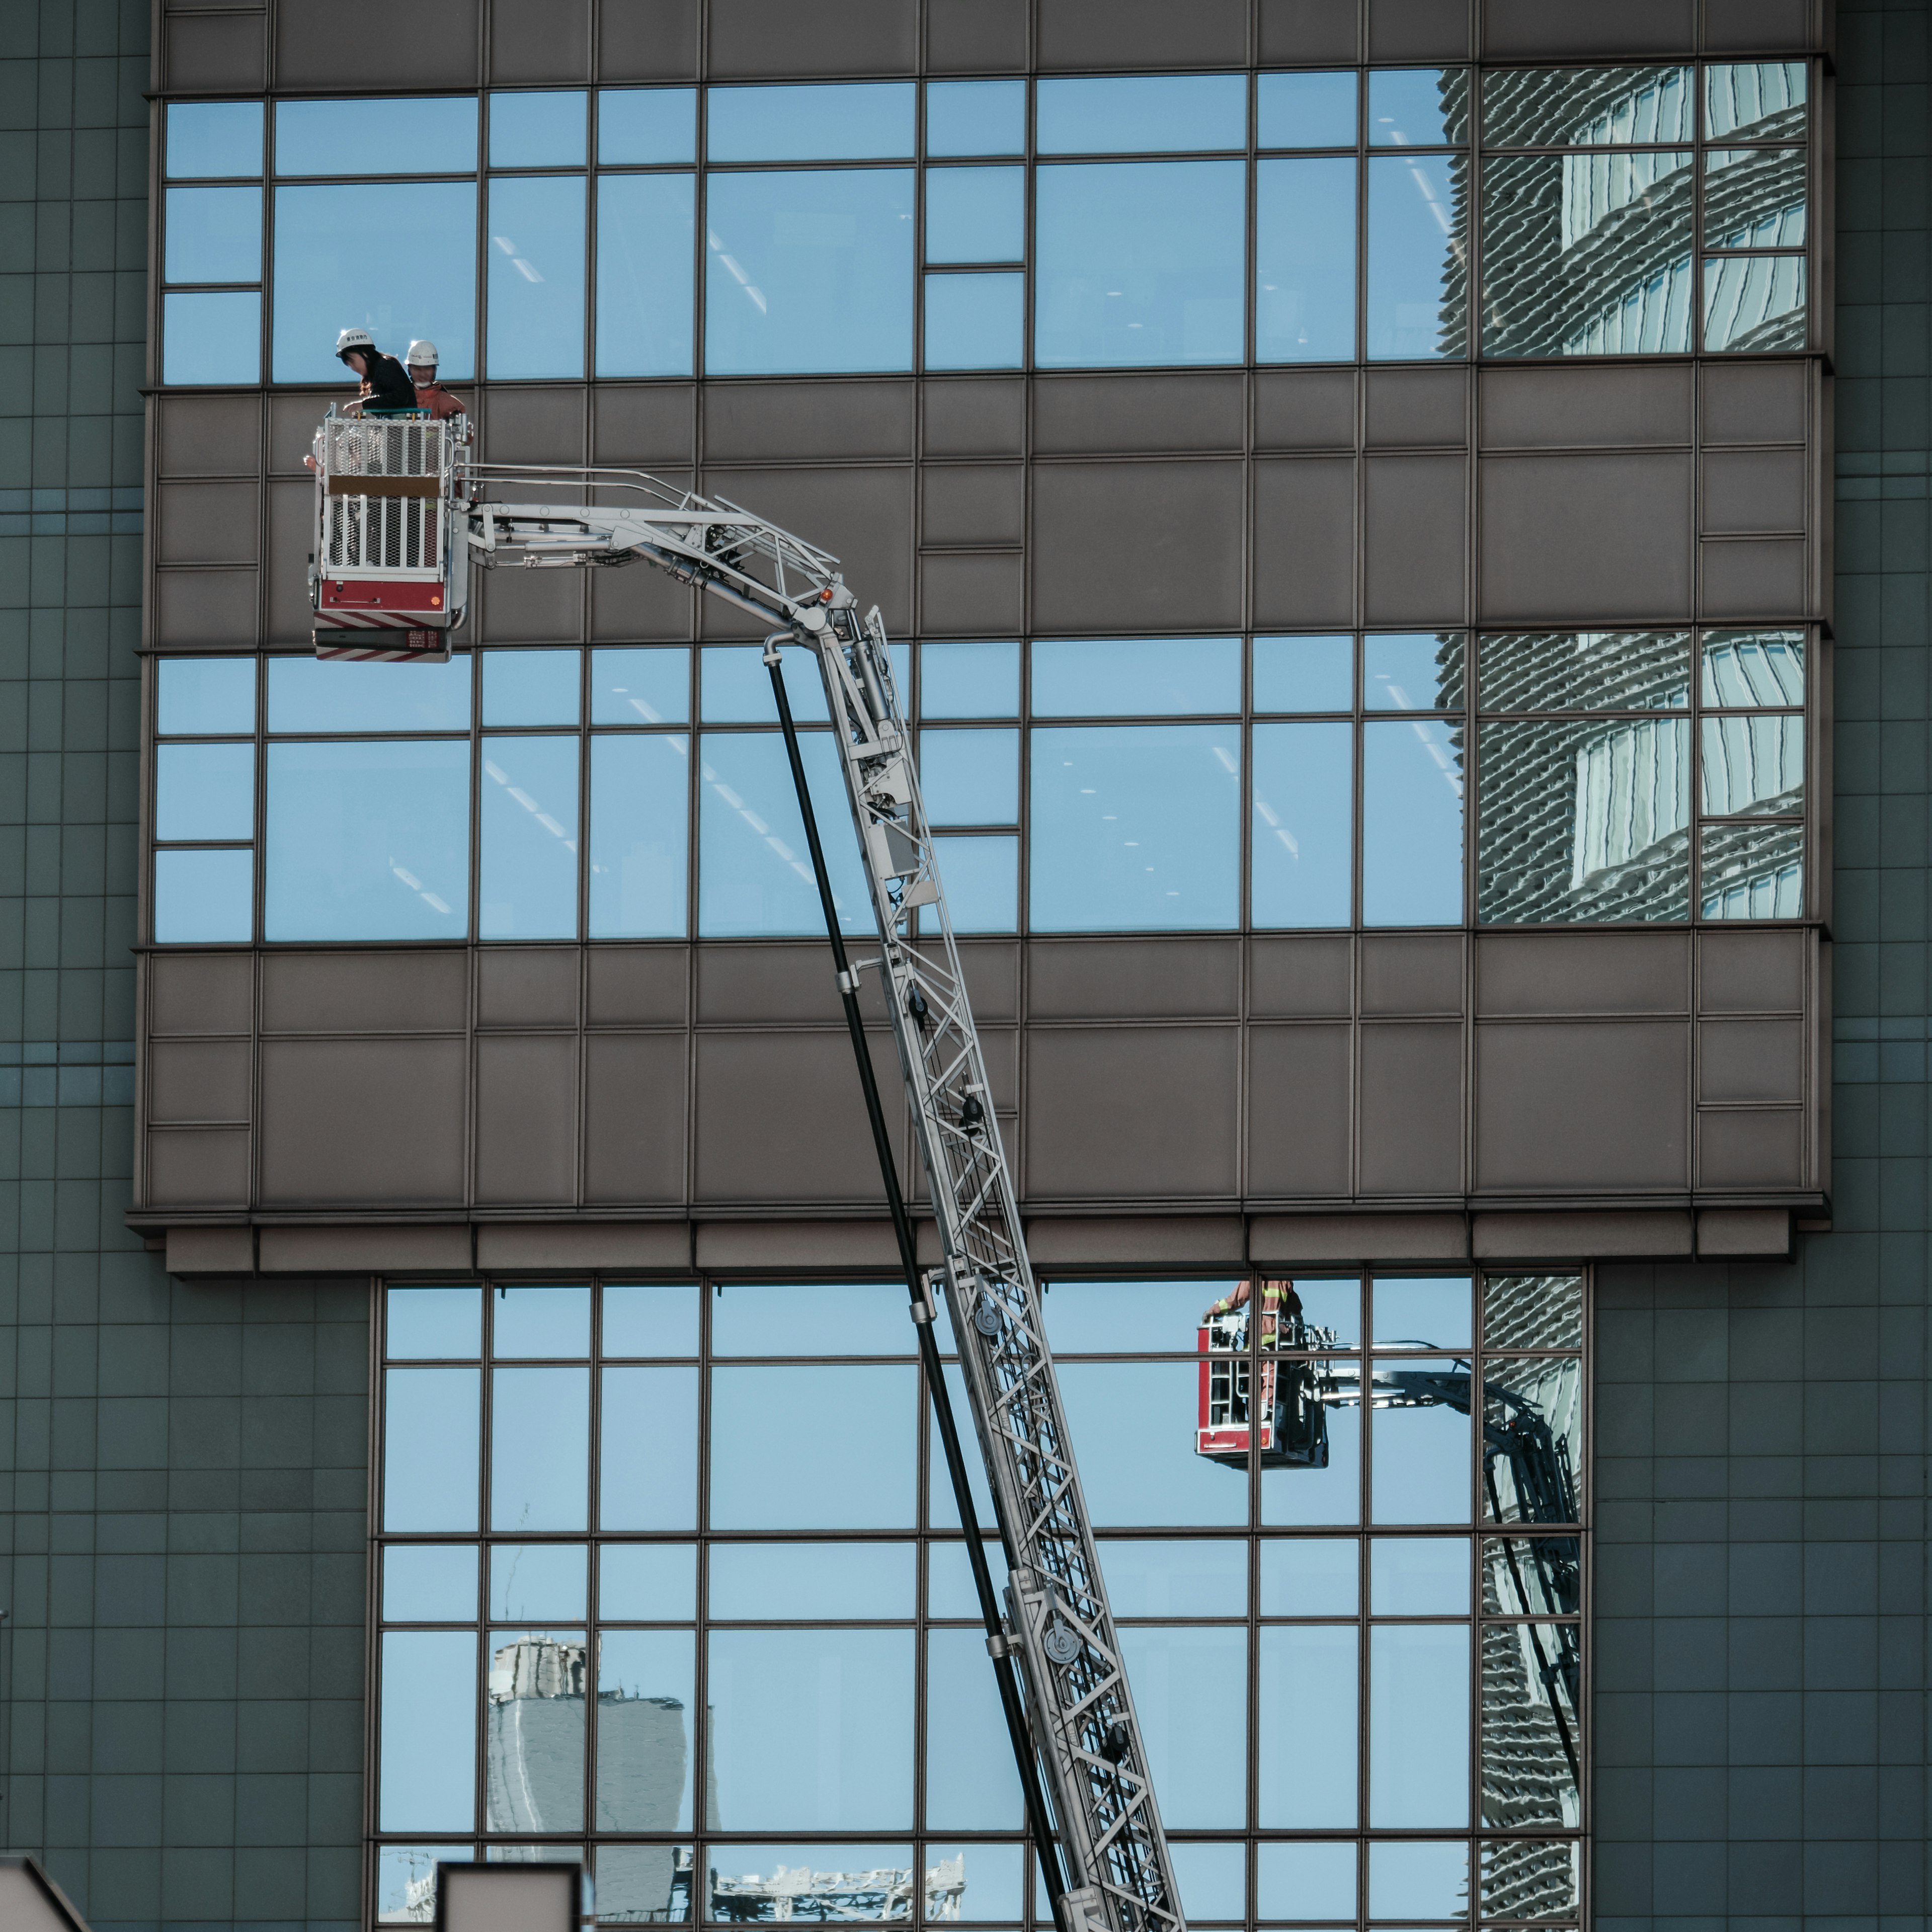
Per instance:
(430,394)
(1279,1302)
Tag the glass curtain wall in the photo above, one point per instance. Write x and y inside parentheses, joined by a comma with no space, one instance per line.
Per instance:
(669,1578)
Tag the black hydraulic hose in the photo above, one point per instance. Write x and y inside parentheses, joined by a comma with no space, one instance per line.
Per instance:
(1045,1848)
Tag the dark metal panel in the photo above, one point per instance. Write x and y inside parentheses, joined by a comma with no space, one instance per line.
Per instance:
(207,436)
(1582,1107)
(779,1118)
(1750,972)
(1298,1110)
(1750,26)
(292,420)
(975,415)
(1750,1148)
(1418,30)
(740,984)
(542,424)
(1095,34)
(1755,579)
(647,424)
(1532,973)
(1131,1112)
(514,606)
(1133,978)
(206,523)
(1411,1109)
(1136,545)
(973,503)
(647,40)
(1753,489)
(290,617)
(637,986)
(199,1080)
(1416,539)
(216,53)
(637,603)
(780,38)
(992,970)
(365,992)
(205,607)
(1138,414)
(807,422)
(527,986)
(1414,409)
(526,1119)
(353,1122)
(1582,538)
(1751,1060)
(1408,974)
(1304,408)
(208,992)
(1512,28)
(1613,406)
(1753,402)
(198,1168)
(1304,542)
(1299,979)
(533,41)
(973,594)
(1001,1045)
(1136,1242)
(1297,1241)
(331,46)
(976,36)
(1294,31)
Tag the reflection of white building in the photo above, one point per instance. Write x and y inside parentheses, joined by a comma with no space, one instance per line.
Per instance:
(798,1891)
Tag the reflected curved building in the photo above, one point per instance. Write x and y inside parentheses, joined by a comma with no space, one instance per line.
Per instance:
(799,1891)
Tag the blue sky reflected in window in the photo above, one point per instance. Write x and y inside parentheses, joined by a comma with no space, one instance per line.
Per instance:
(436,136)
(778,243)
(1418,106)
(1305,259)
(212,338)
(537,687)
(214,235)
(640,684)
(824,121)
(646,225)
(527,887)
(536,275)
(204,897)
(1126,677)
(1302,849)
(1419,1725)
(353,254)
(975,321)
(644,126)
(198,694)
(972,214)
(306,694)
(543,130)
(1305,110)
(975,117)
(982,873)
(204,791)
(1139,263)
(1304,674)
(1411,824)
(426,1748)
(969,680)
(970,777)
(214,139)
(639,793)
(735,686)
(1418,256)
(1142,114)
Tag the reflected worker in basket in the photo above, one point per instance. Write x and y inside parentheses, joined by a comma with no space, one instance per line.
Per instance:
(430,394)
(1280,1305)
(385,383)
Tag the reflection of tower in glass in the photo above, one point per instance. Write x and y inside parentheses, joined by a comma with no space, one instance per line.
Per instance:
(534,1735)
(642,1751)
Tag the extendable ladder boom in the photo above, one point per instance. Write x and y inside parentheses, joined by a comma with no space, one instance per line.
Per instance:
(1076,1729)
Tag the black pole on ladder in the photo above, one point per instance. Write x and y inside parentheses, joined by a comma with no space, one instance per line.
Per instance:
(1038,1824)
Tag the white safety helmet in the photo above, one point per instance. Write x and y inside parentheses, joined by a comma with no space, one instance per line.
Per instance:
(354,338)
(422,356)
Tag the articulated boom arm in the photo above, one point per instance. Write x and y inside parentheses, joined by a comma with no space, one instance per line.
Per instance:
(1082,1716)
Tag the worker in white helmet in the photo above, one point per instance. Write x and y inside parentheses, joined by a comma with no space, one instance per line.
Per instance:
(430,394)
(385,384)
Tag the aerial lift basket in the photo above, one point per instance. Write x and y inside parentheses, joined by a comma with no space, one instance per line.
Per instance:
(386,581)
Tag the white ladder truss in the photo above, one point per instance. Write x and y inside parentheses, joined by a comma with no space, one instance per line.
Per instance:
(1080,1710)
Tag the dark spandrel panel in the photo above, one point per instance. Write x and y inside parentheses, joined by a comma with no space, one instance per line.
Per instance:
(1531,1878)
(1533,1311)
(1754,303)
(1754,198)
(1587,255)
(1584,671)
(1587,107)
(1531,1576)
(1532,1440)
(1531,1740)
(1579,821)
(1753,765)
(1751,871)
(1754,100)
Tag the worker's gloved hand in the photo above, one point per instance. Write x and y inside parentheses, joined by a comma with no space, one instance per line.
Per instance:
(1219,1308)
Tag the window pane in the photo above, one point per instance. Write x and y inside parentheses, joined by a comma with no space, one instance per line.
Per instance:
(1532,1575)
(211,338)
(1531,1739)
(1305,1496)
(647,1582)
(308,694)
(847,1432)
(368,841)
(204,897)
(1420,1466)
(204,791)
(836,120)
(1533,1311)
(981,877)
(530,687)
(735,686)
(785,1319)
(1587,670)
(1747,668)
(777,241)
(1307,1690)
(746,1896)
(538,130)
(1124,1317)
(647,227)
(1418,255)
(1751,871)
(972,214)
(645,1703)
(645,125)
(431,1420)
(840,1701)
(1305,260)
(1142,114)
(536,276)
(1754,100)
(648,1319)
(532,1581)
(1135,1474)
(1139,262)
(639,1885)
(434,1323)
(427,1753)
(213,138)
(640,808)
(1126,677)
(1136,828)
(1427,1312)
(970,777)
(971,1783)
(1305,110)
(1530,1878)
(539,1448)
(201,694)
(1305,1879)
(1533,1439)
(1419,1576)
(527,883)
(1418,1724)
(975,117)
(355,254)
(1212,1878)
(975,321)
(422,137)
(969,680)
(1587,254)
(1753,764)
(1310,1576)
(539,1321)
(942,1507)
(640,685)
(754,874)
(429,1583)
(1411,824)
(810,1582)
(1587,107)
(647,1466)
(950,1590)
(1304,674)
(1753,198)
(1304,820)
(533,1731)
(1421,1880)
(1190,1690)
(1418,106)
(214,235)
(1412,671)
(1754,302)
(1196,1578)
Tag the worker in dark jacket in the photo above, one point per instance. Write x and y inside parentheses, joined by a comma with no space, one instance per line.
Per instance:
(386,383)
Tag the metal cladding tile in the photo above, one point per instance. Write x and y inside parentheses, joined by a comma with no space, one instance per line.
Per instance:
(367,1250)
(1134,1241)
(1756,1232)
(656,1245)
(1291,1239)
(1582,1235)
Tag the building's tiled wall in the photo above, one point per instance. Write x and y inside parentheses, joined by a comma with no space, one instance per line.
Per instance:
(183,1468)
(1760,1473)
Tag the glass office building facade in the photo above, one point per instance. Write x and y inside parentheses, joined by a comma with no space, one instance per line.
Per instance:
(1401,523)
